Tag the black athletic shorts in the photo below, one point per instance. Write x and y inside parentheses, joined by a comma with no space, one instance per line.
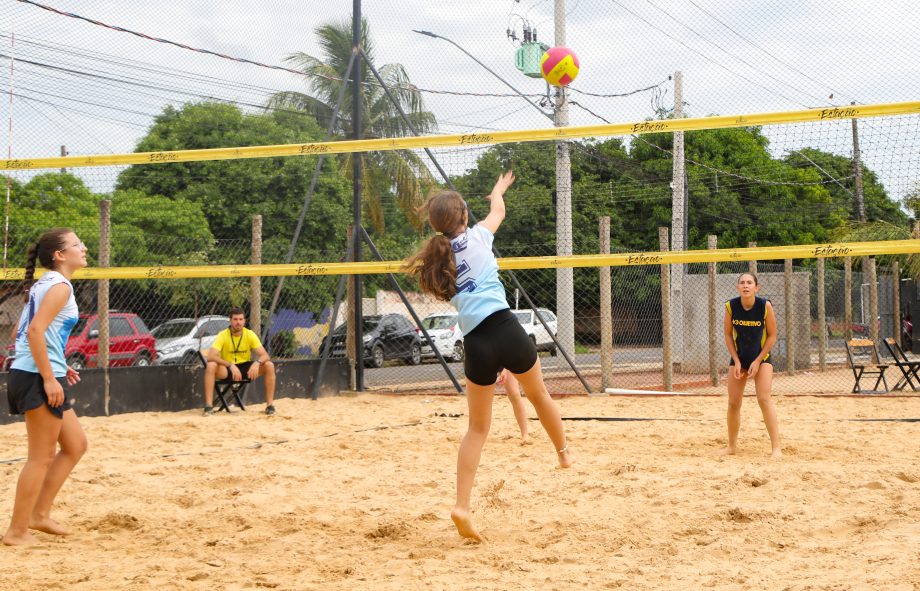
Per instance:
(26,391)
(746,365)
(497,342)
(243,367)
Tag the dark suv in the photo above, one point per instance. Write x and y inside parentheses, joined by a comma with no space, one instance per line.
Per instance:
(130,341)
(390,336)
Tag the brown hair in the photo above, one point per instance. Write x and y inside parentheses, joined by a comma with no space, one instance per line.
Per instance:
(42,251)
(433,265)
(753,276)
(237,312)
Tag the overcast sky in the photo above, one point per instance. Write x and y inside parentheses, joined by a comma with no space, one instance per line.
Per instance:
(736,57)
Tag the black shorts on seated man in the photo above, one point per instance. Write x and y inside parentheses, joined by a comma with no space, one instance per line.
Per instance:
(237,351)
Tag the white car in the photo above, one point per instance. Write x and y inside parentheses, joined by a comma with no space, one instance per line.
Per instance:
(446,334)
(179,340)
(534,328)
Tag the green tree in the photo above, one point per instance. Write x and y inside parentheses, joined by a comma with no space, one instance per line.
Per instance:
(230,191)
(402,172)
(57,199)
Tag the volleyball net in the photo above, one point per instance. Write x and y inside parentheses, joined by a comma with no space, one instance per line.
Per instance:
(191,233)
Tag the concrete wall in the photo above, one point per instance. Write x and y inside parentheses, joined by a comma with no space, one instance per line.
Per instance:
(162,388)
(696,318)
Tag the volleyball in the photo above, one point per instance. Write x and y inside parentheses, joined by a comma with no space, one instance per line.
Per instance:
(559,66)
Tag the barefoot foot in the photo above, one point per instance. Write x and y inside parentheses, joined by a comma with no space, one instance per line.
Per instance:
(464,523)
(565,458)
(26,539)
(729,451)
(777,453)
(49,526)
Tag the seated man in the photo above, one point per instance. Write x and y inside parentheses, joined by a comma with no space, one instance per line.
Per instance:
(231,355)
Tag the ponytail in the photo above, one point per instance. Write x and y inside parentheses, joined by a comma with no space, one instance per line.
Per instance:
(29,277)
(434,268)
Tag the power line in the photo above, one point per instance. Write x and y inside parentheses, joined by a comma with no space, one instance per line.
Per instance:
(756,46)
(699,53)
(728,53)
(291,70)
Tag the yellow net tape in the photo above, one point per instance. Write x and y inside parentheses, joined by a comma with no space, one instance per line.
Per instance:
(440,141)
(804,251)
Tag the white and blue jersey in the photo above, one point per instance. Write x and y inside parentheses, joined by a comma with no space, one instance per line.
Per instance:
(57,333)
(479,291)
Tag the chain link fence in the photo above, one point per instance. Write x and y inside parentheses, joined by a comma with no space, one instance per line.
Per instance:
(183,315)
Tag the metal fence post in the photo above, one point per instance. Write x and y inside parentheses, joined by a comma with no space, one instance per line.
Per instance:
(712,242)
(752,265)
(350,327)
(606,310)
(666,363)
(847,298)
(790,316)
(896,301)
(255,282)
(822,318)
(102,308)
(872,280)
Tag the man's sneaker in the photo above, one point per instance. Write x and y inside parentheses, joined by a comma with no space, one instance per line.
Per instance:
(270,409)
(208,410)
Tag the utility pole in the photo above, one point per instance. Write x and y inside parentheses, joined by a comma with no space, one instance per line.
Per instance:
(678,218)
(857,175)
(356,195)
(565,301)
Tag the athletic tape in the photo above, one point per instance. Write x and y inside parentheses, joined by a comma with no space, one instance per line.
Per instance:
(493,137)
(804,251)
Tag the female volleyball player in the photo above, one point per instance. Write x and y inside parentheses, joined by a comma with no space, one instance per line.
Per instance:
(750,333)
(457,265)
(38,381)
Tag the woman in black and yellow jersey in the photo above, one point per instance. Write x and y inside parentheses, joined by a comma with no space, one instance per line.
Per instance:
(750,333)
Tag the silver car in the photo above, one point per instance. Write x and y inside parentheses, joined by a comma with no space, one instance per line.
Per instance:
(534,328)
(179,340)
(446,334)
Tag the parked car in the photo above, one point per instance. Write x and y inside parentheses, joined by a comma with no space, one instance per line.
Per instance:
(7,359)
(534,328)
(390,336)
(130,341)
(446,334)
(179,340)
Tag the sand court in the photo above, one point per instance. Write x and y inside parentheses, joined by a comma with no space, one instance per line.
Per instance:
(354,492)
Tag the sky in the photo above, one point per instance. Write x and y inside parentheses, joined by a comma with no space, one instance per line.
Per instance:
(735,56)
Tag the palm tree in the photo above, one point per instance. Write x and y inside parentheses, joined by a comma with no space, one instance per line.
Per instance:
(400,171)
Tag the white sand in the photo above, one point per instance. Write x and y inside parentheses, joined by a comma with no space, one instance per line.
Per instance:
(322,496)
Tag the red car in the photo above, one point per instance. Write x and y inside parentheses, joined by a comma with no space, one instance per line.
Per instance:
(130,341)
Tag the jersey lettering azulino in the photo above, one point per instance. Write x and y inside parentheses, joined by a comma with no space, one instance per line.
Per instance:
(749,328)
(479,291)
(57,333)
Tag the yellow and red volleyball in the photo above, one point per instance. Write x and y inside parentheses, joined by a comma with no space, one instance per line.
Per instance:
(559,66)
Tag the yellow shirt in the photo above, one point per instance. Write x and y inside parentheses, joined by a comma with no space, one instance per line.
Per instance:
(236,349)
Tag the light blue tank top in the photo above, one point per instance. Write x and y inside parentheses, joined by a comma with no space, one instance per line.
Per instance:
(479,291)
(57,333)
